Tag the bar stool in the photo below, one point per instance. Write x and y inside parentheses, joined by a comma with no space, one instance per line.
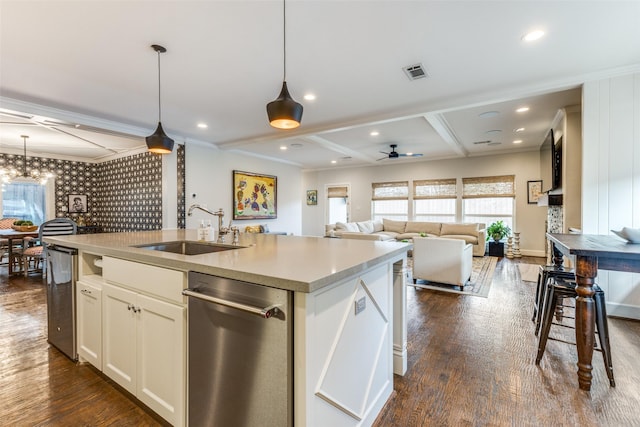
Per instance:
(558,289)
(546,273)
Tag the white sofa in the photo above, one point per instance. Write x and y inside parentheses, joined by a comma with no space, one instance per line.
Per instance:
(386,229)
(442,260)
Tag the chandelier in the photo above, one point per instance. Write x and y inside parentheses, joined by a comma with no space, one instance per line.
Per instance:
(12,175)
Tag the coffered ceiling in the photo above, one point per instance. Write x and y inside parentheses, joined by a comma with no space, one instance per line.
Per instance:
(80,78)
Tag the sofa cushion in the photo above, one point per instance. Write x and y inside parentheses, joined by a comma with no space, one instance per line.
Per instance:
(423,227)
(406,236)
(377,225)
(467,238)
(459,229)
(365,226)
(395,226)
(386,235)
(347,226)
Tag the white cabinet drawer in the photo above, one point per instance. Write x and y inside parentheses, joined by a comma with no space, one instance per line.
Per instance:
(161,282)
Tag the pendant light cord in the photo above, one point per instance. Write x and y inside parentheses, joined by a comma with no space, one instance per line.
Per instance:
(284,38)
(24,162)
(159,103)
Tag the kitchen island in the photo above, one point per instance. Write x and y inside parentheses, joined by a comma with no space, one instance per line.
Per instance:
(348,299)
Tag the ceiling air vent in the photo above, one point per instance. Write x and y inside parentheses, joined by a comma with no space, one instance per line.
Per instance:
(487,142)
(415,72)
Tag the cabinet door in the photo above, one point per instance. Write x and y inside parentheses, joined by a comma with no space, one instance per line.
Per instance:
(161,358)
(119,336)
(89,318)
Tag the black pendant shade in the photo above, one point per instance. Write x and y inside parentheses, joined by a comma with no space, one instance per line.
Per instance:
(284,112)
(159,142)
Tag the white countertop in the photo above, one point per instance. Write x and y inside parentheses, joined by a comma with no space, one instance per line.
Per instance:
(295,263)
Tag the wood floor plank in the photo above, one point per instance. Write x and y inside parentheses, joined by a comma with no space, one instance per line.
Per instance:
(470,363)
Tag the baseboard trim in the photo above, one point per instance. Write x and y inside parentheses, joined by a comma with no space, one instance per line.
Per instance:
(623,310)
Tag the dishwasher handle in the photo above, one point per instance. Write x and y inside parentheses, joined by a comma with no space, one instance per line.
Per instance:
(266,312)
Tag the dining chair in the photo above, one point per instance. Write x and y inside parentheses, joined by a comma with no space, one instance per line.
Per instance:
(5,224)
(36,254)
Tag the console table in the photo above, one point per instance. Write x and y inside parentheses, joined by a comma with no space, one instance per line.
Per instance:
(591,252)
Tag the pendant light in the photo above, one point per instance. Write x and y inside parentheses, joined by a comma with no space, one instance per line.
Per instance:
(284,112)
(159,142)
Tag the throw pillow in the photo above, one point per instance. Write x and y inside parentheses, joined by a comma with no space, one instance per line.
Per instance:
(395,226)
(423,227)
(377,225)
(346,226)
(459,229)
(365,226)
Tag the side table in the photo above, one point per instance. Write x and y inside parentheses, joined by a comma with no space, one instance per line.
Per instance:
(496,249)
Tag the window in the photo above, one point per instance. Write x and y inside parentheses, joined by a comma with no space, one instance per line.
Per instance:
(435,200)
(24,201)
(390,200)
(337,203)
(488,199)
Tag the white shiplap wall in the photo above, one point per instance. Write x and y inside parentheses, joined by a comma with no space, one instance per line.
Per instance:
(611,176)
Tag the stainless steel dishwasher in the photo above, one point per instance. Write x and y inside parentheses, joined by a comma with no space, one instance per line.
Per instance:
(240,353)
(61,298)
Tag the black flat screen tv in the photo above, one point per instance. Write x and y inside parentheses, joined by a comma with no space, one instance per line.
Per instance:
(551,163)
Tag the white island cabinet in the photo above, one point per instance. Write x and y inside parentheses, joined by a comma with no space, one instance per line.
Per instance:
(349,325)
(144,334)
(89,322)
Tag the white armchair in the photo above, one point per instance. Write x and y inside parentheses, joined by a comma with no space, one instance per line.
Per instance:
(442,260)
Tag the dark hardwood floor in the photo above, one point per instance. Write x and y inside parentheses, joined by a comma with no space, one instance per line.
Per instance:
(471,363)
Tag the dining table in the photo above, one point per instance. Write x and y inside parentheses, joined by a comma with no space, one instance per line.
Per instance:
(591,252)
(11,235)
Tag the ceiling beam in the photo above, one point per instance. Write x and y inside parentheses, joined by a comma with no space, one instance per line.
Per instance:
(441,126)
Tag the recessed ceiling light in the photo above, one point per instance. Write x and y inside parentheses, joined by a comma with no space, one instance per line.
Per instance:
(493,131)
(488,114)
(374,133)
(283,147)
(334,161)
(533,35)
(522,110)
(517,141)
(202,125)
(519,130)
(309,97)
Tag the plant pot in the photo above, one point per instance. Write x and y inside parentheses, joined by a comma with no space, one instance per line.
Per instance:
(496,237)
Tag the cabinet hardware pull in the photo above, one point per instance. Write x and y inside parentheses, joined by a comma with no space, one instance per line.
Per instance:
(265,312)
(130,307)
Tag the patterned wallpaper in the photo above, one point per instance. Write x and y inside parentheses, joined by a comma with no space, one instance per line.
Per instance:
(128,194)
(182,221)
(122,195)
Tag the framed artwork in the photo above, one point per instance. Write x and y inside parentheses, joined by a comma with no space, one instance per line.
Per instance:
(312,197)
(534,188)
(78,203)
(254,196)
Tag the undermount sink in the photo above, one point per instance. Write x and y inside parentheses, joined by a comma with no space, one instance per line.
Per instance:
(187,247)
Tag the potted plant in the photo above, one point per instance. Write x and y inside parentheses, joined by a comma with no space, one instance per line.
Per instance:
(498,230)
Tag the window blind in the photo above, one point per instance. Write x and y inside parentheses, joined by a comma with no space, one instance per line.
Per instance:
(434,189)
(337,192)
(390,190)
(489,186)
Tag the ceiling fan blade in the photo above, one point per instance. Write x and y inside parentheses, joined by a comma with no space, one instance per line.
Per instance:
(383,152)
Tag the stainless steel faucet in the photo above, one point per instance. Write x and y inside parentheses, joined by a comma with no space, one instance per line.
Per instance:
(219,213)
(222,231)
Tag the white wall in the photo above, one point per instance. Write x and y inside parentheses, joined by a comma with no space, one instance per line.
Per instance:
(209,176)
(611,176)
(525,166)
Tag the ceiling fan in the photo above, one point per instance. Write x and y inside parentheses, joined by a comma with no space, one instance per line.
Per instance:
(393,154)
